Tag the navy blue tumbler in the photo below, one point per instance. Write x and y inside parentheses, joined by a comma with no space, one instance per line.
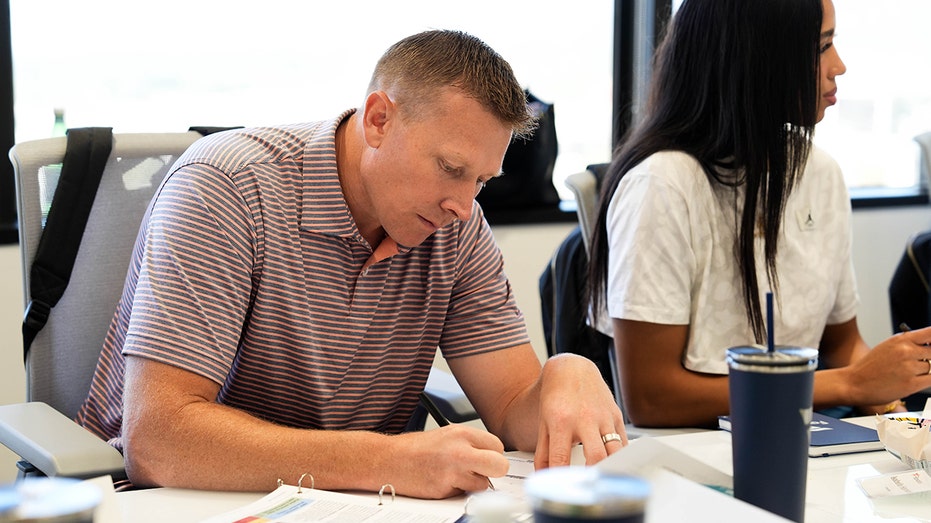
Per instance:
(771,403)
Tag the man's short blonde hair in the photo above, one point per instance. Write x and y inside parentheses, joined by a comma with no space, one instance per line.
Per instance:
(414,70)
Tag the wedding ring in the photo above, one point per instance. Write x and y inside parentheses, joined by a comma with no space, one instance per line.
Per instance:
(929,366)
(612,436)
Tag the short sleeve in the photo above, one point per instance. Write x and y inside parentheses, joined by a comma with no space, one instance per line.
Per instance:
(195,274)
(483,314)
(650,262)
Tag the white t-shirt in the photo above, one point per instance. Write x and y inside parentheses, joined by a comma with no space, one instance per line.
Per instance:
(672,261)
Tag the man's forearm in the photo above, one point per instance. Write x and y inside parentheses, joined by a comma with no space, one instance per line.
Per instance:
(210,446)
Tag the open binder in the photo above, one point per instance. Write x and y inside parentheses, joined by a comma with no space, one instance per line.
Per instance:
(293,503)
(302,502)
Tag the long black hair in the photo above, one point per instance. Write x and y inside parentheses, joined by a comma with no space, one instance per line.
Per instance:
(735,85)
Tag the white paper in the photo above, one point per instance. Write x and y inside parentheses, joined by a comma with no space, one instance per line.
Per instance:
(897,484)
(107,510)
(520,467)
(644,455)
(286,505)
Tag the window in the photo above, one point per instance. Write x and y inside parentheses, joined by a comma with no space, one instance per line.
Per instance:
(884,99)
(167,65)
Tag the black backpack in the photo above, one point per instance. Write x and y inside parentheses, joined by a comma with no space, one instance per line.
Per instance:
(910,297)
(528,168)
(909,289)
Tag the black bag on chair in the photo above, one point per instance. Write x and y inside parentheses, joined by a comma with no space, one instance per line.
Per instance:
(528,167)
(909,289)
(910,297)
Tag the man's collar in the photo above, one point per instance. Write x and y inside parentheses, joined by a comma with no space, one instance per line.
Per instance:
(323,206)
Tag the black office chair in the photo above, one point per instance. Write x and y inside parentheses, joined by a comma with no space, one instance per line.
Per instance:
(562,287)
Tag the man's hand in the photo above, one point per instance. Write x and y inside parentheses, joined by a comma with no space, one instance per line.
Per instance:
(448,461)
(576,406)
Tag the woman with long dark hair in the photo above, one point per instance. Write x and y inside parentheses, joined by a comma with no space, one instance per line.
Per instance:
(718,196)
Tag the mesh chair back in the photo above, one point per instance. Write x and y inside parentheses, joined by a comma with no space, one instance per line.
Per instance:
(585,186)
(64,354)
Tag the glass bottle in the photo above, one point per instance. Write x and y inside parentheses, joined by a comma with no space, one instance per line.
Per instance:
(59,128)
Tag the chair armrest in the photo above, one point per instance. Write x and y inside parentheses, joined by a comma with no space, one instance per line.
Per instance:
(55,444)
(444,390)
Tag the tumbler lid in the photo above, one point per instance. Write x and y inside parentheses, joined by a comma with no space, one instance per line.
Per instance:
(782,359)
(586,493)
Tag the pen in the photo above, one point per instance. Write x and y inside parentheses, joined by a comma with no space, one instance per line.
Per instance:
(434,411)
(440,419)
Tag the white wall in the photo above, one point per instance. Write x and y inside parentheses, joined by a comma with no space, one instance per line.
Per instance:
(12,376)
(879,240)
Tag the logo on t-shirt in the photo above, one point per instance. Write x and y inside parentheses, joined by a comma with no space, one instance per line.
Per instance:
(806,220)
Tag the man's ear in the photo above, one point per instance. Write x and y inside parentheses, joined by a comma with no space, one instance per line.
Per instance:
(378,113)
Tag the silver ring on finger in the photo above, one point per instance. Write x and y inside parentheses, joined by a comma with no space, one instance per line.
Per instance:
(611,436)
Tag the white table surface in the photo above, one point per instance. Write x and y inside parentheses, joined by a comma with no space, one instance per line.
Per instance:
(833,495)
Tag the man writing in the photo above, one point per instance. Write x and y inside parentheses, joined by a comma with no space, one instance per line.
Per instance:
(290,286)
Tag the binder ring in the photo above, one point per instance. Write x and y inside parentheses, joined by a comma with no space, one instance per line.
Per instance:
(302,479)
(382,491)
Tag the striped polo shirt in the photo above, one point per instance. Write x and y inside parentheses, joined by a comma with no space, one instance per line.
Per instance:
(250,271)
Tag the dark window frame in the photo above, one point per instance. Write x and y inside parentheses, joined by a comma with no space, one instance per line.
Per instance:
(9,232)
